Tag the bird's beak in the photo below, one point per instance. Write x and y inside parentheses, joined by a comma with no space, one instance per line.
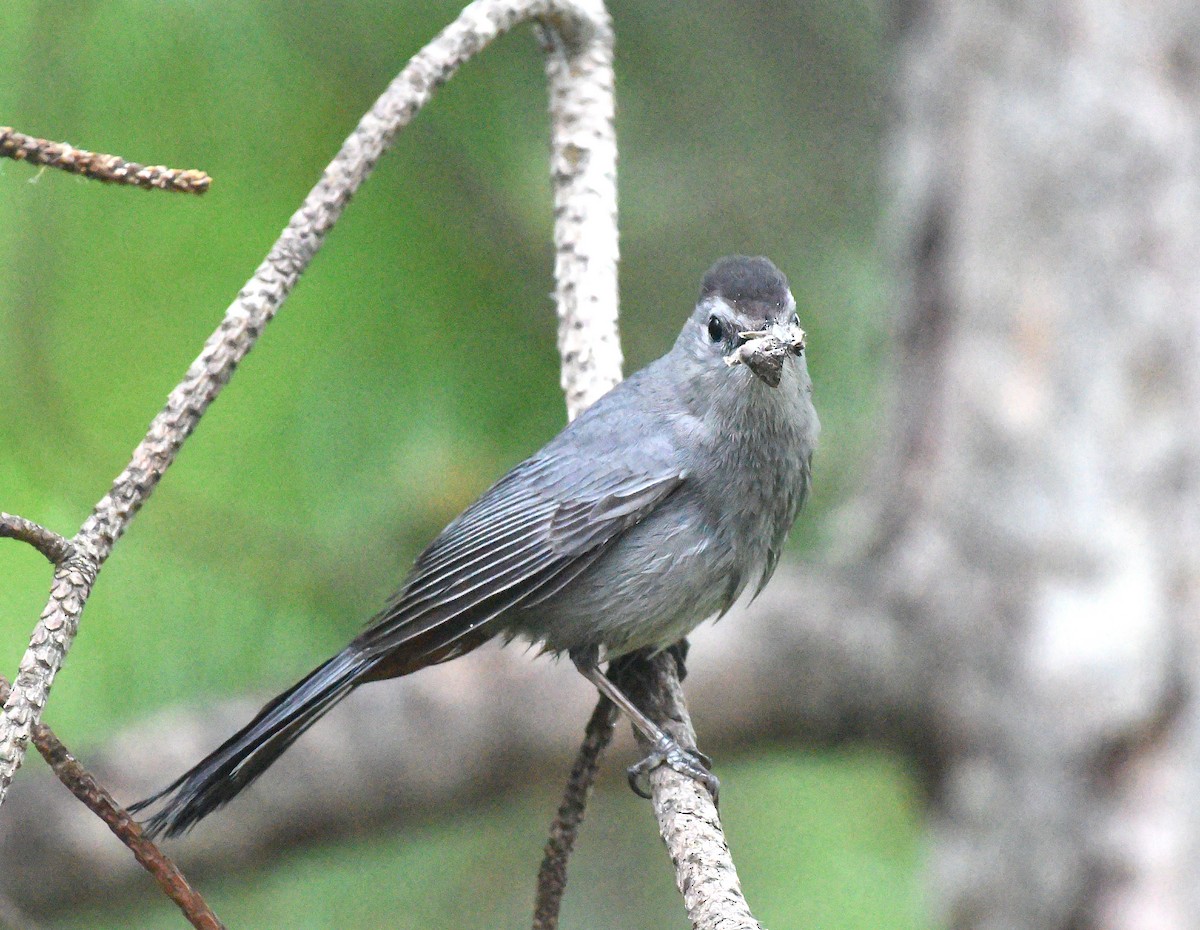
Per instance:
(763,351)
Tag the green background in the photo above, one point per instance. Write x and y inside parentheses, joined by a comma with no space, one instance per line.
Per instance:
(413,365)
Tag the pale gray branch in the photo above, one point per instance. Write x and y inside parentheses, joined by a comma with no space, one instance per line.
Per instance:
(583,168)
(687,813)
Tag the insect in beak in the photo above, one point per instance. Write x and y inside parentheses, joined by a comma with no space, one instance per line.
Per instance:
(763,351)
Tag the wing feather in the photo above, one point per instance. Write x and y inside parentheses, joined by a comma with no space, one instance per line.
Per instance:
(486,548)
(524,540)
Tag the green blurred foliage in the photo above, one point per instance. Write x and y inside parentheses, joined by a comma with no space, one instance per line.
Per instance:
(415,361)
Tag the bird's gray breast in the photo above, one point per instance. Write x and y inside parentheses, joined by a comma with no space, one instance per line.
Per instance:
(761,453)
(746,457)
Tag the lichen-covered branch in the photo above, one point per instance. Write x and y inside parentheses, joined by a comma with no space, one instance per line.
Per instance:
(69,590)
(687,813)
(111,169)
(583,169)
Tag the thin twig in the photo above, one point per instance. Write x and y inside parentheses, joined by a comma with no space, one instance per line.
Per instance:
(552,876)
(687,815)
(587,306)
(112,169)
(84,786)
(54,547)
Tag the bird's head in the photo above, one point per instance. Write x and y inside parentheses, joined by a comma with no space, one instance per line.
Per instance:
(747,316)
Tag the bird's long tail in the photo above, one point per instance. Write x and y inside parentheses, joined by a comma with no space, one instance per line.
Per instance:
(248,753)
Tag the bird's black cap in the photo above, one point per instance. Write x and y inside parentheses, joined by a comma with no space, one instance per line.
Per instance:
(739,279)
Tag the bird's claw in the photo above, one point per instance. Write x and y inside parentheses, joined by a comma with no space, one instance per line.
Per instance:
(690,762)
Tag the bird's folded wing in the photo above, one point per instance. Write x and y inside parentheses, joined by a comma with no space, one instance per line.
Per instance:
(525,538)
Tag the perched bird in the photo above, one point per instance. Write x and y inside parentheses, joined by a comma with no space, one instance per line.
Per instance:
(652,511)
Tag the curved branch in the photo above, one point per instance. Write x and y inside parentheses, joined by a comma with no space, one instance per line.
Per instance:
(587,306)
(54,547)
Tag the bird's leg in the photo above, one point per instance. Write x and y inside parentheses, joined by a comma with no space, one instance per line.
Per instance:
(665,749)
(679,651)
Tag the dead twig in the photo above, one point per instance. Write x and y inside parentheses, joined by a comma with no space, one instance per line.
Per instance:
(84,786)
(111,169)
(552,876)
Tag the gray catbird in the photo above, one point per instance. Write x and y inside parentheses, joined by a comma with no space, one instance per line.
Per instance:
(650,512)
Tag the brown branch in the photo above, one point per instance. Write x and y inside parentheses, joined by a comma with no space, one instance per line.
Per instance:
(552,876)
(84,786)
(54,547)
(111,169)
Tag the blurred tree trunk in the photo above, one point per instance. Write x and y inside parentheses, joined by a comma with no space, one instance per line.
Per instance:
(1038,506)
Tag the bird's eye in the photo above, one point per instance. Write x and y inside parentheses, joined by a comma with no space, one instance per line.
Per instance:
(715,331)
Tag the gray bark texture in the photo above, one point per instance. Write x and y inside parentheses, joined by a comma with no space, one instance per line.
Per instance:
(1038,509)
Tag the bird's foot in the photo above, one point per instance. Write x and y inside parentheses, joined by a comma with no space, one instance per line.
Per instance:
(690,762)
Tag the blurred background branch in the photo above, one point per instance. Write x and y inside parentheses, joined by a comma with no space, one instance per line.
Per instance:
(479,726)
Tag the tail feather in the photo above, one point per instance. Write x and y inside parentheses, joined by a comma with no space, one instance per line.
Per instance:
(219,777)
